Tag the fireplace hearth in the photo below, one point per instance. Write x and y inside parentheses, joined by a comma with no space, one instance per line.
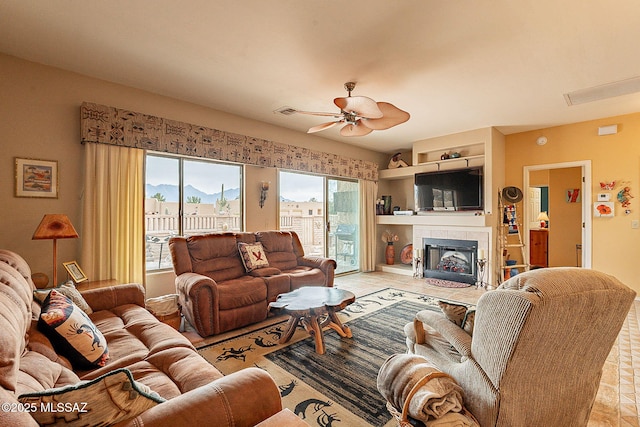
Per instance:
(450,259)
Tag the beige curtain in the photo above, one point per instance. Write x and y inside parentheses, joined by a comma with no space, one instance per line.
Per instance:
(368,193)
(113,213)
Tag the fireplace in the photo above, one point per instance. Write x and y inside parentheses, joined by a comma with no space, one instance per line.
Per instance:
(450,259)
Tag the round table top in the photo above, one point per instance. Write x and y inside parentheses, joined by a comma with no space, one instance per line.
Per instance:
(312,298)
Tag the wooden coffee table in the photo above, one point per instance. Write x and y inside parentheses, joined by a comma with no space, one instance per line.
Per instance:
(309,305)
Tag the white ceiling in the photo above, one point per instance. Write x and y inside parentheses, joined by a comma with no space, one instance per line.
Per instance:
(455,65)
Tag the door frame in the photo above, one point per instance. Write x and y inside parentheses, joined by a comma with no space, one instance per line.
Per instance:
(585,166)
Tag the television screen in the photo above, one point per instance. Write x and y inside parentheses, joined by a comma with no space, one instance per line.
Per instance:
(453,190)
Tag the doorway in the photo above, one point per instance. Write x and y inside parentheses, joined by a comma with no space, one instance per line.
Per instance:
(567,199)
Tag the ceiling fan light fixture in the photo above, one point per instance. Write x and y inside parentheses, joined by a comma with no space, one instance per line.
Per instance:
(361,114)
(350,86)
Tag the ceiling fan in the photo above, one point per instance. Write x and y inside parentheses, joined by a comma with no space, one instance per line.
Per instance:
(360,114)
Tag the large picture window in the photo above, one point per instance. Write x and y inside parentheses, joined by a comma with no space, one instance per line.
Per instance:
(184,196)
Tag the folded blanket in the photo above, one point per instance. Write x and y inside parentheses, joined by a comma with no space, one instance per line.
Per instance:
(451,419)
(398,375)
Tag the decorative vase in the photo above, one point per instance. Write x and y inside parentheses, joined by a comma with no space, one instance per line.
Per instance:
(387,204)
(390,253)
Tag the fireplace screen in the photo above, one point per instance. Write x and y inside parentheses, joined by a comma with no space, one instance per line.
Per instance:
(450,259)
(456,262)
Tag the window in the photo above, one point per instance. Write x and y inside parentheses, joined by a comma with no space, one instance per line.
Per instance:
(185,196)
(300,196)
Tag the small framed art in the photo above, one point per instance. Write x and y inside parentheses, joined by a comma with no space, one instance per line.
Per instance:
(603,209)
(75,272)
(36,178)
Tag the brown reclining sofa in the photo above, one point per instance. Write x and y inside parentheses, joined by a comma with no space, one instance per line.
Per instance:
(218,293)
(145,356)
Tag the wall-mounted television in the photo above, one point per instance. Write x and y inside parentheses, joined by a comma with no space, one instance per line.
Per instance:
(451,190)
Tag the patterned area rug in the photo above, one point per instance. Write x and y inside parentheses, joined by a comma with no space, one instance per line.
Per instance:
(338,388)
(446,283)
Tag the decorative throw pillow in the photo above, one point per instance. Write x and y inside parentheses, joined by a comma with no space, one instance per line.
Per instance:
(67,289)
(459,314)
(253,256)
(453,312)
(106,400)
(71,332)
(469,320)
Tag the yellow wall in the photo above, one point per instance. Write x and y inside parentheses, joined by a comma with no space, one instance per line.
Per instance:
(616,246)
(40,110)
(565,230)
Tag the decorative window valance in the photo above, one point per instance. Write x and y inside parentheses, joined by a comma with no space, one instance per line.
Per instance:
(109,125)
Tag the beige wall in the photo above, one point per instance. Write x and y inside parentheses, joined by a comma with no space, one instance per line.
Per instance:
(616,246)
(40,110)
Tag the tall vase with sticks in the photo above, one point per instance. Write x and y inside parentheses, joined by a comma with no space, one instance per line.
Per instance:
(390,253)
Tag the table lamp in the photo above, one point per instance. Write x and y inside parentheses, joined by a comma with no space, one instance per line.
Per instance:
(55,226)
(543,218)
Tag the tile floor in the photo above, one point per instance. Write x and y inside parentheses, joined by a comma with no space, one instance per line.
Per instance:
(617,403)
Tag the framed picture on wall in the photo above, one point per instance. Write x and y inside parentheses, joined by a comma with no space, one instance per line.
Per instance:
(603,209)
(36,178)
(573,195)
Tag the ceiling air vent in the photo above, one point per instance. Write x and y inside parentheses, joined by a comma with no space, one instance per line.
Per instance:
(609,90)
(287,111)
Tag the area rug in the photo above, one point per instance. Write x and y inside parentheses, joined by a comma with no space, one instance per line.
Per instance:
(446,283)
(337,388)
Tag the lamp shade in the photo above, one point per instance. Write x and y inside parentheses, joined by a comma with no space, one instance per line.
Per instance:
(542,216)
(55,226)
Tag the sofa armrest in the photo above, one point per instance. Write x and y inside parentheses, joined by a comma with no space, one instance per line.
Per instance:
(326,265)
(323,264)
(240,399)
(454,334)
(113,296)
(198,295)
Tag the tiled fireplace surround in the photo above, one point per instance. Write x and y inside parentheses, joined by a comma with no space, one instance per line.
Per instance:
(483,235)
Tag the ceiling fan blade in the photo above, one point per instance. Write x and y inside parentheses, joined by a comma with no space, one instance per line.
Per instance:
(361,105)
(392,116)
(356,129)
(313,113)
(323,126)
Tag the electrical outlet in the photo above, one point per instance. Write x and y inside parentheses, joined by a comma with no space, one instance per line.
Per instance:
(635,223)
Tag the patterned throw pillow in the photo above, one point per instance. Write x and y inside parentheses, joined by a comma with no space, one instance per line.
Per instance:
(67,289)
(71,332)
(106,400)
(253,256)
(459,314)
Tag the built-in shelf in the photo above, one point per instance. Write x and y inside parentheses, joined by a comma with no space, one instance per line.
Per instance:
(467,219)
(410,171)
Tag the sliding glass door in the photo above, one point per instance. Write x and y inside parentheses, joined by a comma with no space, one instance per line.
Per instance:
(324,213)
(344,219)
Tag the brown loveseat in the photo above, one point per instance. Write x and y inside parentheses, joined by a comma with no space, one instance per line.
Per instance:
(158,358)
(217,292)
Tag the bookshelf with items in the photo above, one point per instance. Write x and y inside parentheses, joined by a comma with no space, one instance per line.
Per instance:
(481,147)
